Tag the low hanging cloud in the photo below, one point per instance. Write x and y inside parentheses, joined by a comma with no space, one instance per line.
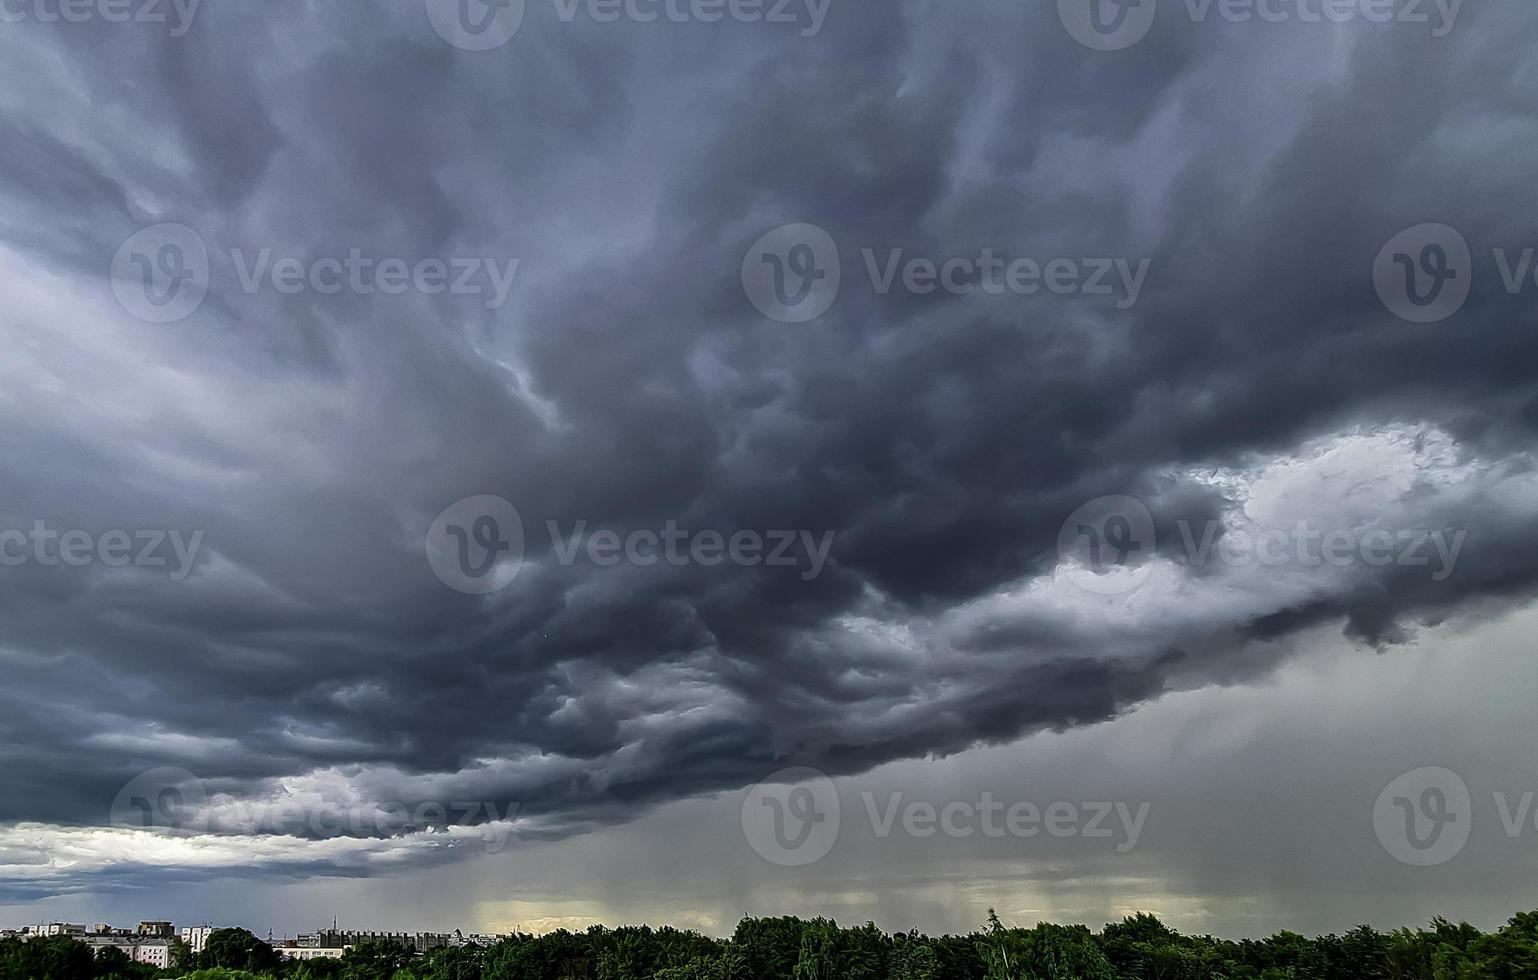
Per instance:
(1294,447)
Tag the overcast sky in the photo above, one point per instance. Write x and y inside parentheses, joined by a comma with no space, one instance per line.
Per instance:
(458,458)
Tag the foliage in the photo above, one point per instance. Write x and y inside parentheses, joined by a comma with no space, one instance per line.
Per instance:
(237,949)
(1140,947)
(1047,952)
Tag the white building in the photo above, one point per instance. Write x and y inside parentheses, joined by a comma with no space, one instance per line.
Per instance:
(481,940)
(417,942)
(157,955)
(140,949)
(196,937)
(310,952)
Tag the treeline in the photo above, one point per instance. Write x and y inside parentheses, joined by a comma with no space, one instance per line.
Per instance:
(1139,947)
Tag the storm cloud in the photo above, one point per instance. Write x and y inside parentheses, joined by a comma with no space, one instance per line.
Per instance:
(615,175)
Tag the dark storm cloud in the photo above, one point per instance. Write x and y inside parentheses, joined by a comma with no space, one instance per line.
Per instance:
(629,383)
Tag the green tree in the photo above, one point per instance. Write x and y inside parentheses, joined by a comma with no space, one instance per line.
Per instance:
(830,953)
(1047,952)
(772,945)
(462,963)
(237,949)
(53,958)
(1140,947)
(376,960)
(560,955)
(183,960)
(1510,953)
(913,958)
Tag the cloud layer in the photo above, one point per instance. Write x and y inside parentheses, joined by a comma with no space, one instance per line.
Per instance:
(938,440)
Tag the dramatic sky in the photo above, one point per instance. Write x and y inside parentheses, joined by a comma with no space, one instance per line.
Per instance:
(1312,472)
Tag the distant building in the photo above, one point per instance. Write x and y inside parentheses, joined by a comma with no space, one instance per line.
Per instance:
(196,937)
(417,942)
(310,953)
(480,940)
(141,949)
(153,941)
(157,955)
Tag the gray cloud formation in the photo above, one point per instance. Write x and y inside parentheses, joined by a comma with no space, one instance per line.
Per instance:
(628,383)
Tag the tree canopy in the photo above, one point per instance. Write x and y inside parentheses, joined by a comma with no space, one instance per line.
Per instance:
(1140,947)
